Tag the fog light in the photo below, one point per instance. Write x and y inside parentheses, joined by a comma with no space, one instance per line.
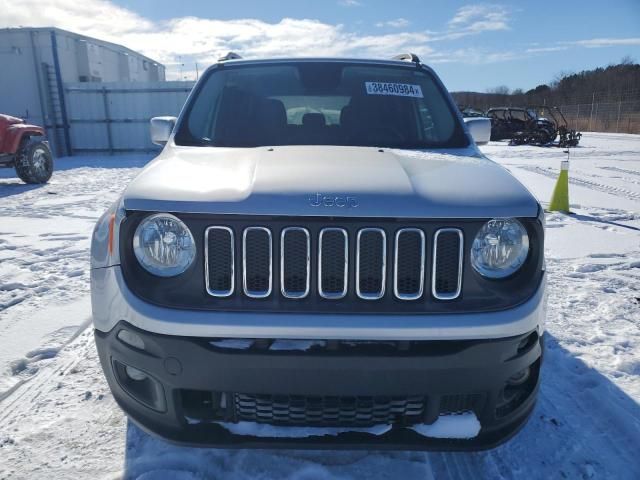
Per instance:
(131,338)
(520,377)
(135,374)
(141,386)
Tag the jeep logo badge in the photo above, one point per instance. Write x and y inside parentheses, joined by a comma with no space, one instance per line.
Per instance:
(340,201)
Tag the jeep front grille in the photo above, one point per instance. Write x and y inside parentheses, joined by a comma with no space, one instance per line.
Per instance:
(369,263)
(409,260)
(219,245)
(333,263)
(447,264)
(295,262)
(257,262)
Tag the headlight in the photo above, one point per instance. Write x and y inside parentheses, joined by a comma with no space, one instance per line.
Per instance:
(500,248)
(164,245)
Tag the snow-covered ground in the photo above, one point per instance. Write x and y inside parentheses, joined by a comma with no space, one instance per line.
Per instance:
(58,419)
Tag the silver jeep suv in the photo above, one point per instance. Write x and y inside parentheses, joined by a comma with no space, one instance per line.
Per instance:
(321,257)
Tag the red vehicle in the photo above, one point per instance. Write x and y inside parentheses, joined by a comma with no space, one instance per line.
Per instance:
(24,147)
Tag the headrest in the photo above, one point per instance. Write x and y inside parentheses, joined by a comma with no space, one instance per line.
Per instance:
(313,120)
(273,112)
(346,115)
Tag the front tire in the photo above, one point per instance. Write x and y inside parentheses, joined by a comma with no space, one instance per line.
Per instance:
(34,161)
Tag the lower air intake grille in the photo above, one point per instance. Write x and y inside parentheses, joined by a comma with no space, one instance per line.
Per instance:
(451,404)
(328,411)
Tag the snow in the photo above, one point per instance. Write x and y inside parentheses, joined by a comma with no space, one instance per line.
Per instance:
(58,418)
(462,425)
(277,345)
(266,431)
(296,345)
(233,343)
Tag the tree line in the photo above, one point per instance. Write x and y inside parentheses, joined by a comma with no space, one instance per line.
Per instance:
(614,83)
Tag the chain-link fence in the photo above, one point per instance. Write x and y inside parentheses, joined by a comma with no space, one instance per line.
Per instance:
(619,117)
(602,111)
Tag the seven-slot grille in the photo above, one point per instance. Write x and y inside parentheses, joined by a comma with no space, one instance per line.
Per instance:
(399,258)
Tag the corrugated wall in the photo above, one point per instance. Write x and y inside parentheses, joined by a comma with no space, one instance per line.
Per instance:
(114,117)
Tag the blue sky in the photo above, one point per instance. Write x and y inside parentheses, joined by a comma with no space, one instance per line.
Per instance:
(472,45)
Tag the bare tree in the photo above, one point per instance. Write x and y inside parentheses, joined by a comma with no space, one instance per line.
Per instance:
(613,83)
(499,90)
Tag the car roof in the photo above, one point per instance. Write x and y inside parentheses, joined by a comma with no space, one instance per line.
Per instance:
(368,61)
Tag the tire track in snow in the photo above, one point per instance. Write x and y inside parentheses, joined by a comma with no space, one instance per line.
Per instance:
(22,396)
(621,170)
(52,260)
(598,410)
(583,425)
(610,189)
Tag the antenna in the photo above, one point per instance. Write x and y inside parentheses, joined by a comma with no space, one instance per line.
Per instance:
(407,57)
(230,56)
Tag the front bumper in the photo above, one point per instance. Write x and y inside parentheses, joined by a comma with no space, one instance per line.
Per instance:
(469,373)
(113,301)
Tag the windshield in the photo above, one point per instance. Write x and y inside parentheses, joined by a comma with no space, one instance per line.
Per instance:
(320,103)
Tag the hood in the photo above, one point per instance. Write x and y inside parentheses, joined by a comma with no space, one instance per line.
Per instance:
(329,181)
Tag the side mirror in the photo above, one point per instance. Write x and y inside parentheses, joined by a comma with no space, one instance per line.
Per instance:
(161,128)
(479,128)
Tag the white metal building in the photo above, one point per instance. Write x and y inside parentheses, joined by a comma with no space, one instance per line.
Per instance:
(36,63)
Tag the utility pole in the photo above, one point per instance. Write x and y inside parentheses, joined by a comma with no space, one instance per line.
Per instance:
(197,74)
(593,99)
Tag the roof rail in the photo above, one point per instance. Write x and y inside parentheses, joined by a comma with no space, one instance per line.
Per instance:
(407,57)
(230,56)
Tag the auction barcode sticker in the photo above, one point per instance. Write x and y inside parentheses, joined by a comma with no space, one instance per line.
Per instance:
(397,89)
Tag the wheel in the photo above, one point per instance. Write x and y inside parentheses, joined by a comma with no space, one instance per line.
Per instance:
(34,162)
(546,136)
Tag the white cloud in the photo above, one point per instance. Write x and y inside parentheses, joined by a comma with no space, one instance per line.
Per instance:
(187,40)
(479,18)
(350,3)
(192,39)
(473,56)
(605,42)
(588,43)
(546,49)
(397,23)
(81,17)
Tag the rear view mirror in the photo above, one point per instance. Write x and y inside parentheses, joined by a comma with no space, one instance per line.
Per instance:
(479,128)
(161,128)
